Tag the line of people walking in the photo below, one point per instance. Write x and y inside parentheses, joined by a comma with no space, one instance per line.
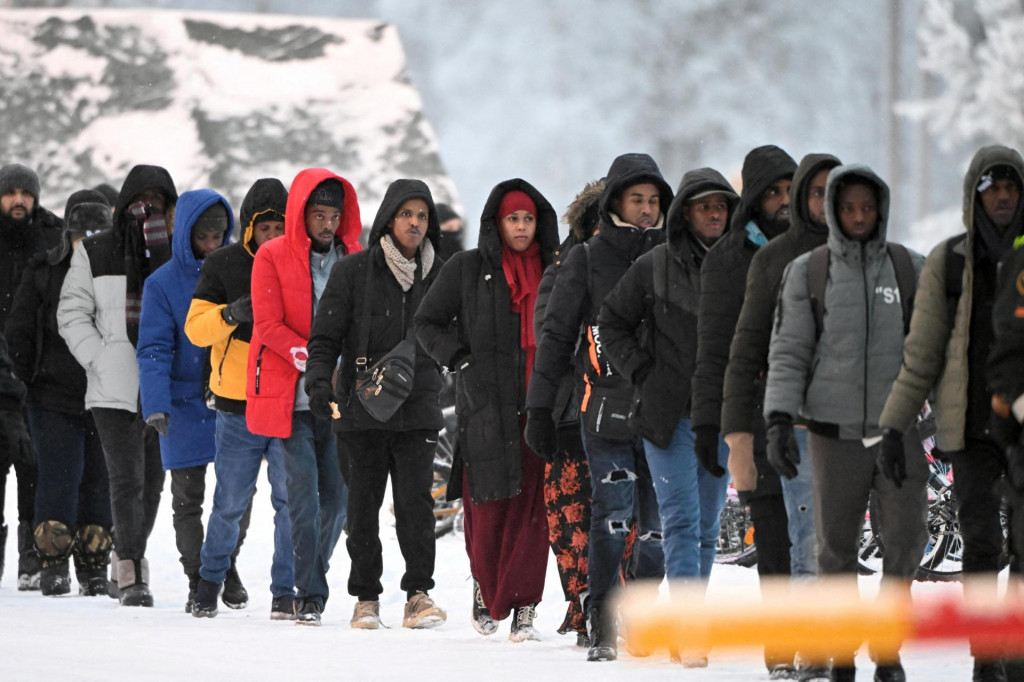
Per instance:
(608,387)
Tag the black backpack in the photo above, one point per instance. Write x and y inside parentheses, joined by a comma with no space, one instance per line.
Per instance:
(817,275)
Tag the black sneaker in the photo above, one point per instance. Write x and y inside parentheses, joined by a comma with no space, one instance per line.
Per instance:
(54,579)
(234,596)
(603,640)
(283,608)
(307,612)
(193,582)
(482,621)
(522,624)
(583,640)
(205,604)
(890,673)
(782,671)
(92,582)
(813,673)
(988,671)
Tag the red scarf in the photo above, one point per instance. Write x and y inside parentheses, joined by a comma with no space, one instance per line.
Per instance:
(523,272)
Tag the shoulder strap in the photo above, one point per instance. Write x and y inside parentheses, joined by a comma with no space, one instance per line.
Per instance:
(817,278)
(954,277)
(364,319)
(906,280)
(660,273)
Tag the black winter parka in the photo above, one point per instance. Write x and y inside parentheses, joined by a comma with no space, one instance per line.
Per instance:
(18,244)
(466,323)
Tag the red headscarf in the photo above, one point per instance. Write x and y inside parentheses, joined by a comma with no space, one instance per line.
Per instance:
(523,271)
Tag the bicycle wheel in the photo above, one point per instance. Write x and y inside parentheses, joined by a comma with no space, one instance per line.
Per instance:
(736,538)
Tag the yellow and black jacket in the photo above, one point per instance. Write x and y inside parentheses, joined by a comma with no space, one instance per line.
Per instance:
(225,278)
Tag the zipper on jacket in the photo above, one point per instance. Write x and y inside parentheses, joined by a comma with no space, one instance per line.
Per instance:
(867,336)
(259,368)
(220,365)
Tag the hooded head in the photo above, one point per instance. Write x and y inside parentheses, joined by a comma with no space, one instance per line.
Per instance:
(86,212)
(695,185)
(762,168)
(109,192)
(265,201)
(198,211)
(399,192)
(19,194)
(856,209)
(546,234)
(141,179)
(810,178)
(992,185)
(300,196)
(582,215)
(629,170)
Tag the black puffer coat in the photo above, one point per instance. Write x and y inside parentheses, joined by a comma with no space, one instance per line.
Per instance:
(659,295)
(466,323)
(723,284)
(339,318)
(579,293)
(18,244)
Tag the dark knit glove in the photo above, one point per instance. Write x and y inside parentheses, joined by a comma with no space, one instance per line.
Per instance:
(159,421)
(320,398)
(783,453)
(14,438)
(238,311)
(541,433)
(892,460)
(705,447)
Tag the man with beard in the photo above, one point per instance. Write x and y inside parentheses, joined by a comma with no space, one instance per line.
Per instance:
(762,215)
(26,228)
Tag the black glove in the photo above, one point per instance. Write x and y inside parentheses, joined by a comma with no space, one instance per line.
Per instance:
(320,398)
(783,453)
(238,311)
(1004,430)
(541,433)
(1015,465)
(159,421)
(705,447)
(14,437)
(892,461)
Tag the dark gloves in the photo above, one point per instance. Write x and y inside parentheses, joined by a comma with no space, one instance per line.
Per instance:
(14,437)
(1005,430)
(238,311)
(159,421)
(320,398)
(783,453)
(892,461)
(541,433)
(705,447)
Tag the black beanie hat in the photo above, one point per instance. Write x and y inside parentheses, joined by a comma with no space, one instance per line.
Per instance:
(213,219)
(15,176)
(109,192)
(330,192)
(446,213)
(86,212)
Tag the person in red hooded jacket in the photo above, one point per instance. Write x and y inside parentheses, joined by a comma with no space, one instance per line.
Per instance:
(321,226)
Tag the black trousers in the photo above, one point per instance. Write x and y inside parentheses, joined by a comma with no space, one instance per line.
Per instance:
(136,477)
(407,457)
(771,534)
(188,490)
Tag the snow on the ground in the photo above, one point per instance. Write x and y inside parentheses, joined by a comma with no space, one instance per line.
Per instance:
(93,639)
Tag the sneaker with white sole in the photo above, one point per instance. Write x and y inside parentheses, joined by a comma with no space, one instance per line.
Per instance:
(366,615)
(522,624)
(482,621)
(421,613)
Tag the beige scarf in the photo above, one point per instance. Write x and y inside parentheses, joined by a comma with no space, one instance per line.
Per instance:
(401,267)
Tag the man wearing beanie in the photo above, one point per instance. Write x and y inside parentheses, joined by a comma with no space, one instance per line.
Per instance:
(171,371)
(220,318)
(26,229)
(288,277)
(98,316)
(451,231)
(72,509)
(631,217)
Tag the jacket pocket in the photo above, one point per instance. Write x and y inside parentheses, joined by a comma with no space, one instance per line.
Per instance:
(470,389)
(259,369)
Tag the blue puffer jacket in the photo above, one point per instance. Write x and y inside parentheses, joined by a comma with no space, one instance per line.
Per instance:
(170,367)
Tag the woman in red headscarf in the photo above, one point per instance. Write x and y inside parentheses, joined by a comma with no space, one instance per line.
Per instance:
(477,320)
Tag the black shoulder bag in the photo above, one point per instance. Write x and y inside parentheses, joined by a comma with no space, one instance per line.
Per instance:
(383,386)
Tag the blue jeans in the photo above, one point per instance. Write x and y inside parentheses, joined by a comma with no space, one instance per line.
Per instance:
(690,502)
(237,466)
(622,493)
(798,494)
(317,498)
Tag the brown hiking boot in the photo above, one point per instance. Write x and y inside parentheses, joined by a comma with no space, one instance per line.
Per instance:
(421,612)
(366,615)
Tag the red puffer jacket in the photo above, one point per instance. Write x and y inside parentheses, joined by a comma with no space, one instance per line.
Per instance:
(282,304)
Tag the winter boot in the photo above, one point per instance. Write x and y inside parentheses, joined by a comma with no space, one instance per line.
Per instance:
(234,595)
(307,612)
(522,624)
(54,543)
(283,608)
(113,589)
(92,555)
(205,604)
(193,584)
(3,547)
(988,671)
(366,615)
(29,563)
(890,672)
(603,640)
(133,579)
(843,673)
(482,621)
(422,613)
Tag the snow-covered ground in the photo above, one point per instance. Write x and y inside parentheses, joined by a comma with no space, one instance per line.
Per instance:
(92,639)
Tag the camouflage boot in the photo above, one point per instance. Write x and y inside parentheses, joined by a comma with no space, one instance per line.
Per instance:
(54,543)
(92,555)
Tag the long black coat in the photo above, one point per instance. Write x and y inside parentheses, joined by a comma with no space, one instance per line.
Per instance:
(466,323)
(18,244)
(339,318)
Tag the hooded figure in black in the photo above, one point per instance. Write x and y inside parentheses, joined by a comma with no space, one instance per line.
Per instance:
(478,320)
(617,463)
(365,311)
(73,500)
